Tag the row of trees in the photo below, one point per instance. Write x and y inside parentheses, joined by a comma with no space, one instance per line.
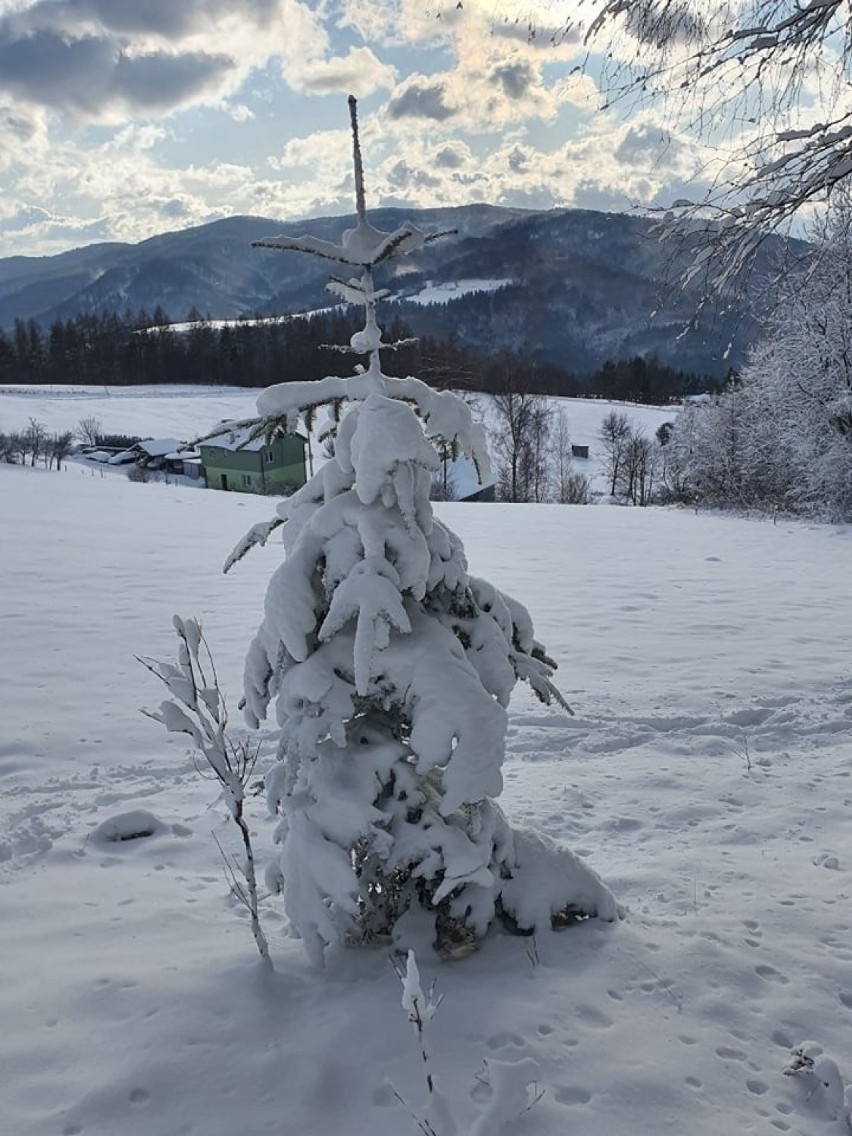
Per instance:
(36,444)
(533,456)
(112,349)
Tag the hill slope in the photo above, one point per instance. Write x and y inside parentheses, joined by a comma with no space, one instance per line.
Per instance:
(705,775)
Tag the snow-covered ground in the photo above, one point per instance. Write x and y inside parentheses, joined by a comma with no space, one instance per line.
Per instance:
(705,775)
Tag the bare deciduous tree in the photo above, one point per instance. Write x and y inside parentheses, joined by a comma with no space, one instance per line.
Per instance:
(615,435)
(638,469)
(520,436)
(89,430)
(58,448)
(35,438)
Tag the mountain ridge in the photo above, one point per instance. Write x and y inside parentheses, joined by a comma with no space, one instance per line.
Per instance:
(586,286)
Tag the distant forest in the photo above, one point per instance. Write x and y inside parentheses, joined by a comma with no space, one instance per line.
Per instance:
(130,349)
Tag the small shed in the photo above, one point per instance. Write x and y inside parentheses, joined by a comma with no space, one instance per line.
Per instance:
(231,462)
(186,462)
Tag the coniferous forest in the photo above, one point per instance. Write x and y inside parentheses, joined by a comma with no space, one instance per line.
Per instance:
(141,348)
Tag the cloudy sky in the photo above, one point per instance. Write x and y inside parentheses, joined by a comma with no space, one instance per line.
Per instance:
(120,119)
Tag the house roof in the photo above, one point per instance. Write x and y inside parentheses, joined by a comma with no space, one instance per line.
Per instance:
(231,439)
(159,447)
(234,440)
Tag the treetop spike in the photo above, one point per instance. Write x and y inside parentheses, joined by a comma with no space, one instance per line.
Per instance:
(360,204)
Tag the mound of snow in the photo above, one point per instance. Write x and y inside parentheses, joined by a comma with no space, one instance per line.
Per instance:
(132,825)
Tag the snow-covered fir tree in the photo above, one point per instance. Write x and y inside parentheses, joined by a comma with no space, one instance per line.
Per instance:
(391,667)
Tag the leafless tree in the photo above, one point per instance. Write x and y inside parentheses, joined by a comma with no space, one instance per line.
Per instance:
(36,439)
(766,81)
(15,449)
(518,444)
(638,469)
(560,453)
(538,453)
(615,435)
(519,438)
(58,448)
(89,430)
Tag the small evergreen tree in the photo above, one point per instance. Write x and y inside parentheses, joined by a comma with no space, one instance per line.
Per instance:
(391,667)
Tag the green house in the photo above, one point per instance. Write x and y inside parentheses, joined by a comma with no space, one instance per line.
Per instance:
(253,467)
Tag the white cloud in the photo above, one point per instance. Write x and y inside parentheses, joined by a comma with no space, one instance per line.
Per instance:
(101,60)
(359,72)
(474,109)
(239,112)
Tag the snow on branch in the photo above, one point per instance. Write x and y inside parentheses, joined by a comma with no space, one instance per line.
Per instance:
(770,74)
(198,709)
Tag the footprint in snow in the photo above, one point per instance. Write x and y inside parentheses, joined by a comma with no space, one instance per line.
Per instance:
(572,1094)
(501,1040)
(593,1018)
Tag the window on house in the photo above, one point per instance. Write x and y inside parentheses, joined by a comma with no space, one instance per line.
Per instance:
(270,456)
(247,479)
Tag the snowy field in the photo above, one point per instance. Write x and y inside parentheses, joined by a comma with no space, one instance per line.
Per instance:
(706,776)
(155,411)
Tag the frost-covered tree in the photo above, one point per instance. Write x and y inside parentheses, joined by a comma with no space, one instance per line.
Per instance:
(391,667)
(781,437)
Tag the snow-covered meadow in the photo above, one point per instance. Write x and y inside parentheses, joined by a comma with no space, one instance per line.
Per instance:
(705,775)
(188,411)
(155,411)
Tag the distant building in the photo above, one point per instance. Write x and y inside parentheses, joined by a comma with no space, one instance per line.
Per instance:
(230,462)
(166,455)
(186,462)
(579,451)
(151,453)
